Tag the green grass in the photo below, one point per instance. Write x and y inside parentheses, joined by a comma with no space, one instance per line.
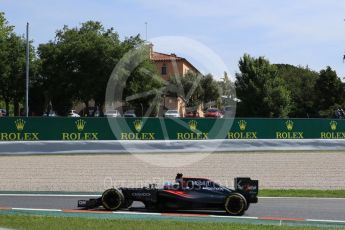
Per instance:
(302,193)
(40,222)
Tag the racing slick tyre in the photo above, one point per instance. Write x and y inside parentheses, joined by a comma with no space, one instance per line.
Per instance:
(112,199)
(235,204)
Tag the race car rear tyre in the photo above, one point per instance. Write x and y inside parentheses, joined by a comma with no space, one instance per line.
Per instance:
(112,199)
(235,204)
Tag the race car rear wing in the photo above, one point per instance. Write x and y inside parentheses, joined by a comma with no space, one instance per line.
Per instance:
(248,187)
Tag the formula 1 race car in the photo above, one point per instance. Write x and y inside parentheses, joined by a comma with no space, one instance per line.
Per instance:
(186,194)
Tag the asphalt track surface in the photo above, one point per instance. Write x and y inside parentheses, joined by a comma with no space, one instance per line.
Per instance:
(294,208)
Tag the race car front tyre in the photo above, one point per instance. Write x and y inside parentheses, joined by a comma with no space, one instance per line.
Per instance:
(112,199)
(235,204)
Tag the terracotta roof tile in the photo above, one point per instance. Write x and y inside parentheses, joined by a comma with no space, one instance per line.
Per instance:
(155,56)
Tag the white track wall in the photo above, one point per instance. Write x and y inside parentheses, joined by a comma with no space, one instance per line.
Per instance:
(98,147)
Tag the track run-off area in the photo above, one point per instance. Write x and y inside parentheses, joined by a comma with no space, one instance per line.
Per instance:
(327,212)
(94,173)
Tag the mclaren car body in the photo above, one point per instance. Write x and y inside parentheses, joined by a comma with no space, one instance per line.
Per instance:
(186,193)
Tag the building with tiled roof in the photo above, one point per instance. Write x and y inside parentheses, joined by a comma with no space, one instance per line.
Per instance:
(169,65)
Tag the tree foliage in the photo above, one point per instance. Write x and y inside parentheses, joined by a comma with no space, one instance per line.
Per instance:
(300,81)
(196,89)
(77,64)
(261,91)
(329,92)
(12,65)
(143,84)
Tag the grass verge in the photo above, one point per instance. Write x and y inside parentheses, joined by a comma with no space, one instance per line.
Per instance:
(40,222)
(302,193)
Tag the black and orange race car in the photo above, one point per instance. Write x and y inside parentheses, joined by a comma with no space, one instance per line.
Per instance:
(186,194)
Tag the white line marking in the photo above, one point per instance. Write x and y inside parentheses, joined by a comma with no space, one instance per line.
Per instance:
(329,221)
(37,209)
(51,195)
(183,214)
(236,217)
(306,198)
(138,213)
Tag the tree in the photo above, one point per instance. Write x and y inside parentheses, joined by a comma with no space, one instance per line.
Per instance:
(5,33)
(227,86)
(143,83)
(329,92)
(12,65)
(260,89)
(77,64)
(38,99)
(196,89)
(58,88)
(211,90)
(300,82)
(228,91)
(188,87)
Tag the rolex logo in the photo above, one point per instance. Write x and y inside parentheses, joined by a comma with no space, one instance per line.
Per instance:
(333,125)
(242,124)
(193,125)
(138,125)
(80,124)
(289,125)
(20,124)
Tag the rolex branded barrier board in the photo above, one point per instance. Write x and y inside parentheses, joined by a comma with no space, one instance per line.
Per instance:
(74,129)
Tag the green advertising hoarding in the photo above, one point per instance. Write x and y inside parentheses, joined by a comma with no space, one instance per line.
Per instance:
(75,129)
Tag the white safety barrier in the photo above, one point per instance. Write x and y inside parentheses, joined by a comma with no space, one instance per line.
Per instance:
(161,146)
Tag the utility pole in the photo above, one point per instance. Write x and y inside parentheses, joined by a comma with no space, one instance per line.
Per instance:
(146,31)
(27,71)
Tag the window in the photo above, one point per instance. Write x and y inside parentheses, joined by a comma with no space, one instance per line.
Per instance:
(164,69)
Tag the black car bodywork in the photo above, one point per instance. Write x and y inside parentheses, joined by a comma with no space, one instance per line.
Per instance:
(186,194)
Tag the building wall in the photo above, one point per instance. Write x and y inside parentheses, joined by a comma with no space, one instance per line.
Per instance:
(179,67)
(173,68)
(186,68)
